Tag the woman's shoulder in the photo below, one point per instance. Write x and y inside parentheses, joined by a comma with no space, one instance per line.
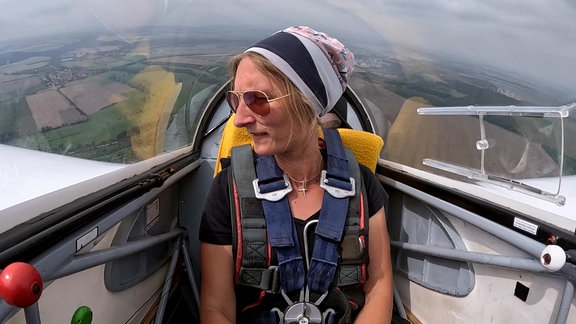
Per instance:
(222,176)
(365,169)
(377,195)
(367,174)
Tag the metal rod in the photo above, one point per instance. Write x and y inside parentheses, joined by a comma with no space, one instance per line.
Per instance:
(32,314)
(306,252)
(306,289)
(167,284)
(190,271)
(466,256)
(398,302)
(567,297)
(528,111)
(92,259)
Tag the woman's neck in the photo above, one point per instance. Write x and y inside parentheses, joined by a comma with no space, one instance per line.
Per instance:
(303,163)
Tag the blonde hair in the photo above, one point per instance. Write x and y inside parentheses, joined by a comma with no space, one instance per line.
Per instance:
(298,104)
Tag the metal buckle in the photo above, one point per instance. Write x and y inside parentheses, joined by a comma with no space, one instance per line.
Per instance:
(335,191)
(273,195)
(273,282)
(302,313)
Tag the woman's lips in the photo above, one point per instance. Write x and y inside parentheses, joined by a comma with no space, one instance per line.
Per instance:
(258,135)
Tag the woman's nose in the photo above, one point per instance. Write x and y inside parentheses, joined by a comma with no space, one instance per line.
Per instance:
(243,115)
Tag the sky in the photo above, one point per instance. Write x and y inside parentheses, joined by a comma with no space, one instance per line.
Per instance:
(536,38)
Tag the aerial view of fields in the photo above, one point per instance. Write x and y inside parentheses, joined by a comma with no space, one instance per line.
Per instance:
(99,97)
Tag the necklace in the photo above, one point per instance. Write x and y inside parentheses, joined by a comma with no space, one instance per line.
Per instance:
(303,183)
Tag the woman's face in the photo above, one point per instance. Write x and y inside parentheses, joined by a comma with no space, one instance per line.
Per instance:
(272,133)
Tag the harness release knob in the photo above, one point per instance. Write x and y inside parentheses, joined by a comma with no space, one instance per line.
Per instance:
(20,284)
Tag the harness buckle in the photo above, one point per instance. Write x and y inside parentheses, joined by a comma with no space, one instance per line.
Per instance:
(273,195)
(337,188)
(303,313)
(272,280)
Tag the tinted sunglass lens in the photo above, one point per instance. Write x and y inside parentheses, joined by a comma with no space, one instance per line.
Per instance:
(257,102)
(233,101)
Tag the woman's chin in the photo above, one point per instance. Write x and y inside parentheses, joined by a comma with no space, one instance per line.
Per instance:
(262,150)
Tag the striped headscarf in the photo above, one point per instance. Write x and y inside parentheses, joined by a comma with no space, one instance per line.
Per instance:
(319,65)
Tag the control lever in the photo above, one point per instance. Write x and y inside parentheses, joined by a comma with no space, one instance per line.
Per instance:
(21,286)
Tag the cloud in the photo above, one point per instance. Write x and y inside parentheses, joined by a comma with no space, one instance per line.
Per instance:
(27,18)
(531,37)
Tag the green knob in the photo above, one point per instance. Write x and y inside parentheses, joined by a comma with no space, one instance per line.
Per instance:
(83,315)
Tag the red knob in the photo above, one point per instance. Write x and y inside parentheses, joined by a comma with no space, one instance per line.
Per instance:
(20,284)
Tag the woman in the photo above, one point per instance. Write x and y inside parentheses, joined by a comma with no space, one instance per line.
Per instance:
(281,86)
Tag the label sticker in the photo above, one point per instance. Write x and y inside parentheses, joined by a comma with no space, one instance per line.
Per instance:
(86,239)
(525,226)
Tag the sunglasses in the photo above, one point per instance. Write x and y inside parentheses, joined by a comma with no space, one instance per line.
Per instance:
(256,100)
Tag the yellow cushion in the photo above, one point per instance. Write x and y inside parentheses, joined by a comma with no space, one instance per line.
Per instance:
(365,146)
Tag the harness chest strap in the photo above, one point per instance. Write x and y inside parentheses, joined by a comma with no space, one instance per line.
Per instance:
(280,226)
(253,253)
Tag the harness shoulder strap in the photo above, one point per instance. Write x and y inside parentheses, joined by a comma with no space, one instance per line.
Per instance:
(250,245)
(354,253)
